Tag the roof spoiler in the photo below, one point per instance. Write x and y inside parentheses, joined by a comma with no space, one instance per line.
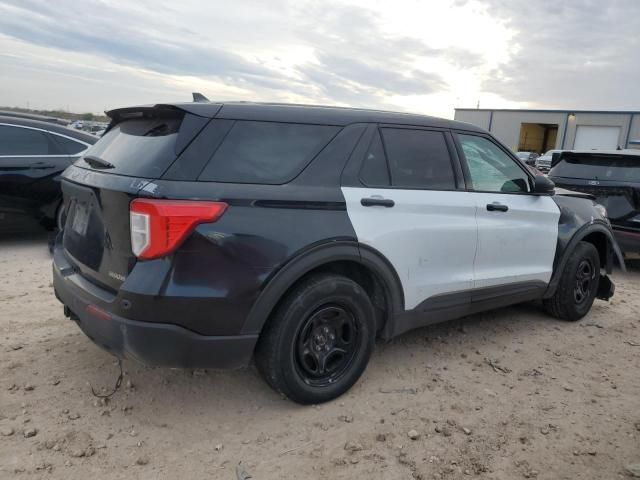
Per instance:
(119,114)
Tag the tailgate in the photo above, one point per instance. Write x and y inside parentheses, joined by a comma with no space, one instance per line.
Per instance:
(140,144)
(96,237)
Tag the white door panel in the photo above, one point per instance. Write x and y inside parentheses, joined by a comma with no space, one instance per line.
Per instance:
(518,245)
(428,236)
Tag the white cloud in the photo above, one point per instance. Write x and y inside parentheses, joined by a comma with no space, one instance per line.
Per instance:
(425,57)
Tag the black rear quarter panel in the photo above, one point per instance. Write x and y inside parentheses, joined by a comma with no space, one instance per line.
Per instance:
(210,283)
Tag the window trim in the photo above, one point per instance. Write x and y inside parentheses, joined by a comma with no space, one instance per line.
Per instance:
(376,132)
(2,124)
(509,153)
(459,183)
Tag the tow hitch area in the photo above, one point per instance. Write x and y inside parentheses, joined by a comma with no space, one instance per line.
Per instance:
(69,314)
(606,288)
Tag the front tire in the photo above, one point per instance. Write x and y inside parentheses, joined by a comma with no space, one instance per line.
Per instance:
(318,342)
(578,285)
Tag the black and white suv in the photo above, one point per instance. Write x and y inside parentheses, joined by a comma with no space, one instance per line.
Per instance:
(207,235)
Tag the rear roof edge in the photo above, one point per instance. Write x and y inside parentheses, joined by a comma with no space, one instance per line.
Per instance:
(207,110)
(284,112)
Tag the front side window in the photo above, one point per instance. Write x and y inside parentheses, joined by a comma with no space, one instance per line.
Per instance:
(490,168)
(418,159)
(25,141)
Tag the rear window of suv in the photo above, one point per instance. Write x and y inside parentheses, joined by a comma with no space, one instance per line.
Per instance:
(142,147)
(622,168)
(266,152)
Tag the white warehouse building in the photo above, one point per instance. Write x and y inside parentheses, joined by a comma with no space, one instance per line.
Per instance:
(543,130)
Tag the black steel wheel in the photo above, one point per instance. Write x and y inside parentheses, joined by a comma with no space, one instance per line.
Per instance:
(585,275)
(578,284)
(326,345)
(319,340)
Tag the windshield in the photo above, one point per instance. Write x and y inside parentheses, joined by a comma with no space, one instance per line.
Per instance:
(623,168)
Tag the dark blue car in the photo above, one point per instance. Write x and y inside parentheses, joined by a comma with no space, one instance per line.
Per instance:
(33,154)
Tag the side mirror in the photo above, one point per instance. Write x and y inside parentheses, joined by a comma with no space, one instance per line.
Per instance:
(543,186)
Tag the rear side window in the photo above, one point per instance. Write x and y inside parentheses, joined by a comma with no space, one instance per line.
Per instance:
(374,172)
(266,152)
(621,168)
(26,141)
(418,159)
(71,147)
(142,147)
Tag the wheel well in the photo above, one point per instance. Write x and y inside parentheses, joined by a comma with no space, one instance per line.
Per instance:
(601,242)
(363,276)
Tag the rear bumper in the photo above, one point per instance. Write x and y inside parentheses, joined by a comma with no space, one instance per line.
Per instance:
(153,344)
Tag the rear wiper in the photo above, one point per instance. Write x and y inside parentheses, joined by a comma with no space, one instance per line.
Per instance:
(157,130)
(97,162)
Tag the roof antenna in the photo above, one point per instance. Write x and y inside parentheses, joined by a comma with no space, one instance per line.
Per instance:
(198,97)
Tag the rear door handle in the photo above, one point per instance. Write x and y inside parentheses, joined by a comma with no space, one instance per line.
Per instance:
(377,202)
(497,207)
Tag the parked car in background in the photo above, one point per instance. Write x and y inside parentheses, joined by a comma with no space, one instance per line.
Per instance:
(613,178)
(206,234)
(528,158)
(34,116)
(32,156)
(543,162)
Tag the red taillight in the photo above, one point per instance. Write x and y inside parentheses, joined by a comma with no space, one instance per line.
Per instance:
(159,226)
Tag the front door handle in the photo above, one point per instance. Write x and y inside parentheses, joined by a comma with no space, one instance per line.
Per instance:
(377,202)
(497,207)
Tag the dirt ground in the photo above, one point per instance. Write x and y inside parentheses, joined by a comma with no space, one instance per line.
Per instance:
(503,395)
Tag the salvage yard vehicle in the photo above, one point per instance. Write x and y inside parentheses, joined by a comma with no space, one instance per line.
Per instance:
(543,162)
(528,158)
(33,154)
(613,178)
(207,235)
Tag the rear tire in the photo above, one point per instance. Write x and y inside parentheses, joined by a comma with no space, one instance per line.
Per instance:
(578,285)
(319,340)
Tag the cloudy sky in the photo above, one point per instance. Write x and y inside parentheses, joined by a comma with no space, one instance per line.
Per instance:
(411,55)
